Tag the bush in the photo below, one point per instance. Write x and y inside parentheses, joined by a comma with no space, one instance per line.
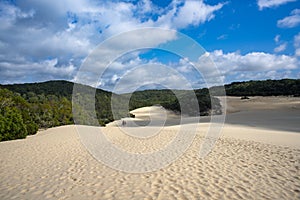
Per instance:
(11,124)
(32,128)
(16,116)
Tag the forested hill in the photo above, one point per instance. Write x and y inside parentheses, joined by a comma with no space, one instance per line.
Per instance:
(59,88)
(26,107)
(166,98)
(285,87)
(51,101)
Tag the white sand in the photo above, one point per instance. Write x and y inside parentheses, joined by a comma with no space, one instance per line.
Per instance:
(246,163)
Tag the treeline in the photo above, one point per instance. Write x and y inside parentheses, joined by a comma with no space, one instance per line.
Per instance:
(51,102)
(25,108)
(284,87)
(190,100)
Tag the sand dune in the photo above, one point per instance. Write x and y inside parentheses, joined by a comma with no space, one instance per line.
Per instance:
(246,163)
(273,113)
(276,113)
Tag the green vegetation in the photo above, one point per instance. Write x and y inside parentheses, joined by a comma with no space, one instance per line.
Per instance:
(144,98)
(16,116)
(262,88)
(51,103)
(171,101)
(26,107)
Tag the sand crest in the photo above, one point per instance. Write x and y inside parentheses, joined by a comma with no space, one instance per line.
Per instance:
(246,163)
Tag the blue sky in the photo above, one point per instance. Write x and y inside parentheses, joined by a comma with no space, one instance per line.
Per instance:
(246,40)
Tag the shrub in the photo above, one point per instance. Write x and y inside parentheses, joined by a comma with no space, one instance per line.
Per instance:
(11,124)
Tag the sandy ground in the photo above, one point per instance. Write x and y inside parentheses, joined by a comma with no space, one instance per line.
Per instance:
(276,113)
(248,161)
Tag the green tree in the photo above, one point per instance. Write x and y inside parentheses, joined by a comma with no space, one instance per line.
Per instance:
(16,115)
(11,124)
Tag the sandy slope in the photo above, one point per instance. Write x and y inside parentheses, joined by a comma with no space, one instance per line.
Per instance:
(246,163)
(277,113)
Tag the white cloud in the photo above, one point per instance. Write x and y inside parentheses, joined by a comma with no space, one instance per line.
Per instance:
(151,74)
(265,75)
(130,70)
(271,3)
(291,21)
(181,14)
(280,48)
(297,44)
(277,38)
(23,70)
(252,66)
(184,66)
(42,40)
(252,62)
(297,52)
(68,30)
(297,40)
(194,13)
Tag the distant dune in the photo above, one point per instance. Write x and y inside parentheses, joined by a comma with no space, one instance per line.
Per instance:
(257,157)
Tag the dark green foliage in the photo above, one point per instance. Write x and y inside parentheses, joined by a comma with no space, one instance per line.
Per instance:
(16,116)
(191,106)
(33,90)
(26,107)
(44,105)
(11,124)
(52,103)
(262,88)
(150,97)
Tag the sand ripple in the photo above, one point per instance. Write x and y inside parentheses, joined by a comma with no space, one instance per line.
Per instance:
(55,165)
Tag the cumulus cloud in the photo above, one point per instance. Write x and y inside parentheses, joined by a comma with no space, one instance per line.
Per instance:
(194,13)
(214,67)
(237,67)
(67,31)
(271,3)
(254,65)
(42,40)
(130,72)
(21,70)
(145,75)
(254,61)
(291,21)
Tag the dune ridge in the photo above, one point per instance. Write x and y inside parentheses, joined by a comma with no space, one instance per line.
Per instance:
(246,163)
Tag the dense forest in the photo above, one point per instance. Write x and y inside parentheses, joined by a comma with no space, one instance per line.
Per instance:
(170,99)
(27,107)
(286,87)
